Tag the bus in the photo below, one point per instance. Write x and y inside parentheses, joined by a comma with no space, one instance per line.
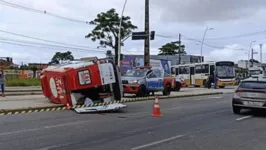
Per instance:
(197,74)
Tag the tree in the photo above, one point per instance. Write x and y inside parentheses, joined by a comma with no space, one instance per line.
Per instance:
(60,57)
(172,49)
(107,28)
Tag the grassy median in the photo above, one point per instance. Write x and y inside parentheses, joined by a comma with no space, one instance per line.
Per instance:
(23,82)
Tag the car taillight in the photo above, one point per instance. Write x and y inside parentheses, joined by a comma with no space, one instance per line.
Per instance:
(238,91)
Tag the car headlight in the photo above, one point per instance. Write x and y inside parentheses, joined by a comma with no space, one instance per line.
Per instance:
(134,82)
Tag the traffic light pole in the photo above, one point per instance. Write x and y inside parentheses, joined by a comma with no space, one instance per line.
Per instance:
(147,33)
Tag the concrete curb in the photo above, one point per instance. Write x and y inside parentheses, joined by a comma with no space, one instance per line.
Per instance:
(22,93)
(62,107)
(27,90)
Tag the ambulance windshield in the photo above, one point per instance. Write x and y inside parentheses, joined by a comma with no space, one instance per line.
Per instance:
(136,73)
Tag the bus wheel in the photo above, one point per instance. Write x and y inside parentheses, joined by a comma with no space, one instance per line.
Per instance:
(167,90)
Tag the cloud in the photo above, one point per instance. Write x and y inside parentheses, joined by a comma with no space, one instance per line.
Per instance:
(199,11)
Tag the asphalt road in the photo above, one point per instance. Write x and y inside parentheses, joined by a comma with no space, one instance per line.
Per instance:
(189,123)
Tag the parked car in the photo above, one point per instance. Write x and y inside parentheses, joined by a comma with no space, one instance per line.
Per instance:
(250,94)
(145,80)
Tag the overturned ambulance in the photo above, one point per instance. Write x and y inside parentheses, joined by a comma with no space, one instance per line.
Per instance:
(83,83)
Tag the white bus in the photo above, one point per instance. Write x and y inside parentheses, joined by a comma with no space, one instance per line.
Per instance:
(197,74)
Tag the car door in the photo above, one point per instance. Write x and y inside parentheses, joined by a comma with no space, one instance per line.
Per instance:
(154,81)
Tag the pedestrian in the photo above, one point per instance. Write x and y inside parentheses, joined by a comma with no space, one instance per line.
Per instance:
(2,82)
(209,81)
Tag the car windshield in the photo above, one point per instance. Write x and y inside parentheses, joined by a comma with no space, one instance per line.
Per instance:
(253,85)
(136,73)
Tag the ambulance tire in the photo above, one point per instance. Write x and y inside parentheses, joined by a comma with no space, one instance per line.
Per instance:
(167,90)
(177,87)
(142,91)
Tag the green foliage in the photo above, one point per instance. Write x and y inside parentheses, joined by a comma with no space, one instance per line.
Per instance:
(60,57)
(172,49)
(23,82)
(107,28)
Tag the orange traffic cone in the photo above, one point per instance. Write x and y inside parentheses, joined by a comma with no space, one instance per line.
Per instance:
(156,108)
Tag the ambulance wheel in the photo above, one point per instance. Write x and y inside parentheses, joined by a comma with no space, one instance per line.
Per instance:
(142,91)
(177,87)
(167,90)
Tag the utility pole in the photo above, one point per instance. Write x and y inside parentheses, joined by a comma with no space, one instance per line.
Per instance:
(179,50)
(260,53)
(252,53)
(147,33)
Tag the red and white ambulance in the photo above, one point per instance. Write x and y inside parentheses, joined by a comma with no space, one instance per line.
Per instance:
(83,83)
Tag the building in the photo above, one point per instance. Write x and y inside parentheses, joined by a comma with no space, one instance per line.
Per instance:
(245,64)
(39,66)
(6,62)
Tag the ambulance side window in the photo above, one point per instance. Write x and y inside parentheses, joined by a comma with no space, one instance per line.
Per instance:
(151,75)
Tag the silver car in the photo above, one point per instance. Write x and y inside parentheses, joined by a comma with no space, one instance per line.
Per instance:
(250,94)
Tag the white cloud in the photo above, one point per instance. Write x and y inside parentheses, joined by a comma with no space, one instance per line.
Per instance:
(169,17)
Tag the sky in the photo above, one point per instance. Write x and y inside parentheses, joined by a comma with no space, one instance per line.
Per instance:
(235,25)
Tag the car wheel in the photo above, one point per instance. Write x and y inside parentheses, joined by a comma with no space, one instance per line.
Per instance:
(142,91)
(236,110)
(167,90)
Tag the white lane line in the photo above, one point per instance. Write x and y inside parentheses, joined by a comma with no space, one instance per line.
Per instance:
(242,118)
(207,98)
(157,142)
(66,124)
(19,131)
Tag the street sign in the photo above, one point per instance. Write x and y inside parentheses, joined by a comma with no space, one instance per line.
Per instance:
(138,35)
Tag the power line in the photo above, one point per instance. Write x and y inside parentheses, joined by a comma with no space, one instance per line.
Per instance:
(209,45)
(56,46)
(237,36)
(195,40)
(39,39)
(223,38)
(17,6)
(46,46)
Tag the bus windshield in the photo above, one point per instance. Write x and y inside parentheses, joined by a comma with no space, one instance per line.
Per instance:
(225,70)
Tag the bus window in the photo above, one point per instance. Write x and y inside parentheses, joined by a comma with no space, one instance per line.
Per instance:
(197,69)
(173,70)
(205,68)
(187,70)
(181,70)
(212,68)
(176,71)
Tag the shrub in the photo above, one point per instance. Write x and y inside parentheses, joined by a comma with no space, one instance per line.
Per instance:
(23,82)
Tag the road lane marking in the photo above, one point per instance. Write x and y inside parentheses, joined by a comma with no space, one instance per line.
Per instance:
(242,118)
(207,98)
(157,142)
(19,131)
(67,124)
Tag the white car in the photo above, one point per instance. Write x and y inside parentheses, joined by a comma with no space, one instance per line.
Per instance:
(250,94)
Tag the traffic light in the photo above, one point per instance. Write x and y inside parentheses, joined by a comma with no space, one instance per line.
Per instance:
(152,35)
